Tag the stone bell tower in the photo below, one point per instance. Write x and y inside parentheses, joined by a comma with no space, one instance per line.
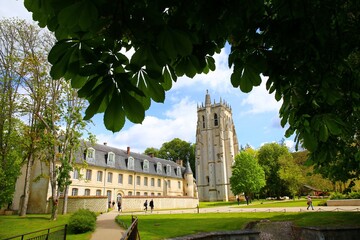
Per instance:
(216,147)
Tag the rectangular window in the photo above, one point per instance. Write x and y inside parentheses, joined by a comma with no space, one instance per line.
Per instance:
(145,181)
(152,182)
(130,180)
(145,193)
(130,193)
(159,182)
(137,193)
(120,179)
(74,192)
(138,180)
(179,184)
(87,192)
(75,174)
(98,192)
(168,183)
(99,176)
(110,176)
(88,174)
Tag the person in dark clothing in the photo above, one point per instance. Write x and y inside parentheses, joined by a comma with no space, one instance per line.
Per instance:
(151,204)
(238,200)
(119,206)
(145,205)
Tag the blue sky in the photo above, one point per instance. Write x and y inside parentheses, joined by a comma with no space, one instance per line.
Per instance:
(255,114)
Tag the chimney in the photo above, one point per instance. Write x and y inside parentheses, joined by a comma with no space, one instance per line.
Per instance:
(105,143)
(179,162)
(128,151)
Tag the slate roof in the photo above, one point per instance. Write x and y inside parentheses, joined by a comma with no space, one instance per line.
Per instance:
(121,159)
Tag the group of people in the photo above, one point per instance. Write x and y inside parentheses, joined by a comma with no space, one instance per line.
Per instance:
(151,205)
(113,205)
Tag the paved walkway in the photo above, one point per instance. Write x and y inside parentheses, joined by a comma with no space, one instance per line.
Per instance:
(107,228)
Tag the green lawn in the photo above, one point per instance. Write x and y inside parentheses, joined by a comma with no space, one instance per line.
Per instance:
(15,225)
(263,203)
(161,226)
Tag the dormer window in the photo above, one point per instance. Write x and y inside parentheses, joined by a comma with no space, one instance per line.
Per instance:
(90,155)
(131,163)
(158,168)
(111,159)
(146,166)
(168,170)
(178,171)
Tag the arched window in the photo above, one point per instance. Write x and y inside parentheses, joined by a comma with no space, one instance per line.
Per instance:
(203,121)
(146,166)
(215,119)
(168,170)
(131,163)
(90,155)
(111,159)
(158,168)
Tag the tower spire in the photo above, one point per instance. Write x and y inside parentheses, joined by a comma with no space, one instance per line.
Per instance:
(207,99)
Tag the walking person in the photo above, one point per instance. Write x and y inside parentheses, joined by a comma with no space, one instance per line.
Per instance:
(145,205)
(151,204)
(119,206)
(309,203)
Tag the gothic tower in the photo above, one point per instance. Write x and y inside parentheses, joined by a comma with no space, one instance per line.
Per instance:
(216,147)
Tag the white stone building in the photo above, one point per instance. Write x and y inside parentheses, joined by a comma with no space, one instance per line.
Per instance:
(216,147)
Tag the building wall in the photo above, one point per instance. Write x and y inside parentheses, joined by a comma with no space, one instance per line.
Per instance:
(168,186)
(160,203)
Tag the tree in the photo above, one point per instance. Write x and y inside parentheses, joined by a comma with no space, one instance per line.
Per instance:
(269,156)
(11,73)
(174,150)
(151,151)
(247,175)
(307,49)
(291,174)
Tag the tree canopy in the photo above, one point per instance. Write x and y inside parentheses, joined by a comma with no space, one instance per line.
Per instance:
(308,49)
(248,177)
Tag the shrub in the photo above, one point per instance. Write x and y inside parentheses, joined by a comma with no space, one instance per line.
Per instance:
(322,203)
(82,221)
(354,195)
(337,195)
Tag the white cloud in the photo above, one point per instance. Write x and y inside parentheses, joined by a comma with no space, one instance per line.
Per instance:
(180,122)
(214,81)
(260,100)
(14,8)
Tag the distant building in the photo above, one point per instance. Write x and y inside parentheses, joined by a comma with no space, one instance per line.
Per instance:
(114,173)
(216,147)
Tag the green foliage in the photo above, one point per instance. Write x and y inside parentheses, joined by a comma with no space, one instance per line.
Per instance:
(337,195)
(286,41)
(178,149)
(82,221)
(351,195)
(269,156)
(247,175)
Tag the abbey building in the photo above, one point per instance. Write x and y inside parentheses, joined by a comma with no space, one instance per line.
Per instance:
(216,147)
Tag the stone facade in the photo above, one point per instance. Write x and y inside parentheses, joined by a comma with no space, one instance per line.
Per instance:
(216,147)
(103,171)
(93,203)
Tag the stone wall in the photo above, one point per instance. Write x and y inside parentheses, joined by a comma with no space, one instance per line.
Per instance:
(93,203)
(343,202)
(136,203)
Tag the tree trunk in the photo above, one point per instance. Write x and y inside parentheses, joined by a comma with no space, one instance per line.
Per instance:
(27,186)
(66,191)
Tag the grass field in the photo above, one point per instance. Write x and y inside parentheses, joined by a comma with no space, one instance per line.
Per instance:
(160,226)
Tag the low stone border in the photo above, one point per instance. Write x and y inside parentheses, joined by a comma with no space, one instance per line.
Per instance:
(343,202)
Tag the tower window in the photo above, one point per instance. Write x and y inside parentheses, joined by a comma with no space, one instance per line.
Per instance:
(203,121)
(215,119)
